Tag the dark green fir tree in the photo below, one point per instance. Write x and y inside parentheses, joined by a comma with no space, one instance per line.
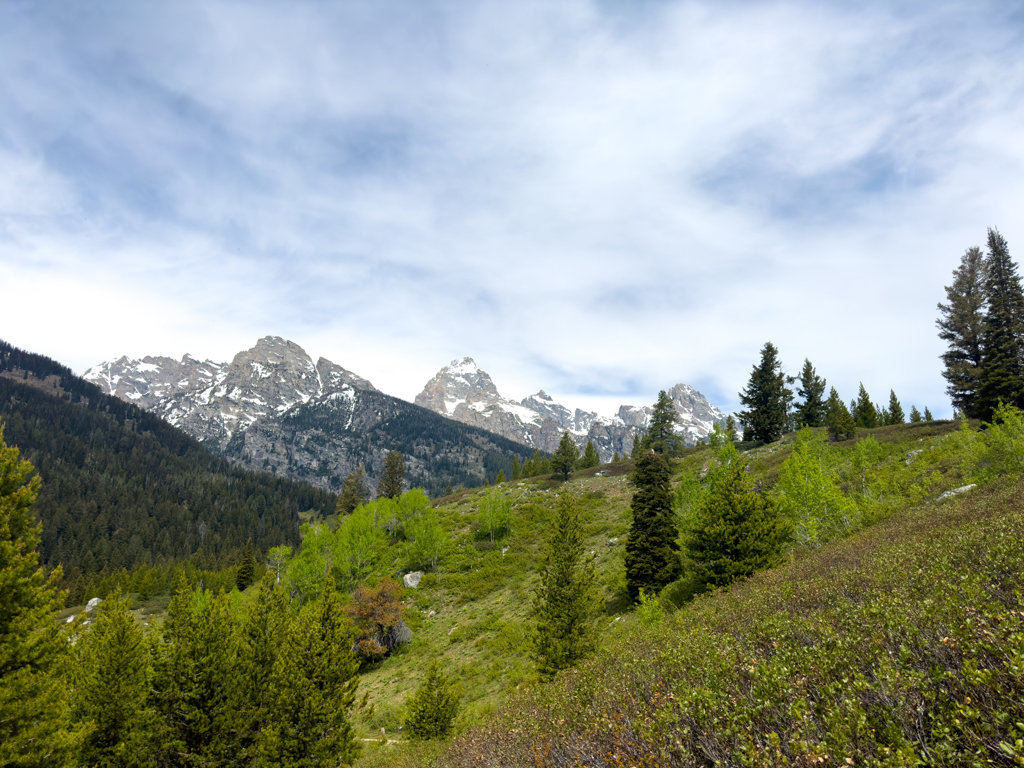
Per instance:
(566,457)
(590,457)
(961,325)
(765,398)
(736,533)
(895,410)
(661,435)
(616,459)
(500,478)
(811,411)
(1002,360)
(434,707)
(838,420)
(927,414)
(635,450)
(864,412)
(392,477)
(915,415)
(652,553)
(515,468)
(565,602)
(354,492)
(246,573)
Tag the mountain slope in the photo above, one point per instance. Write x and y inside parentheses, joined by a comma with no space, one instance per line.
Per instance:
(272,409)
(122,487)
(465,393)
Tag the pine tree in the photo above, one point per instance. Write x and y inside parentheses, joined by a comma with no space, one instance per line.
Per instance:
(652,559)
(736,533)
(515,468)
(927,414)
(635,452)
(354,492)
(392,476)
(730,428)
(111,680)
(1002,361)
(246,567)
(895,410)
(961,324)
(31,695)
(615,458)
(314,683)
(500,478)
(565,601)
(765,397)
(838,420)
(566,457)
(915,415)
(864,412)
(434,706)
(811,412)
(590,456)
(661,437)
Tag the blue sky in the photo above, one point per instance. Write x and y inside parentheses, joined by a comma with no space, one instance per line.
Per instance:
(600,199)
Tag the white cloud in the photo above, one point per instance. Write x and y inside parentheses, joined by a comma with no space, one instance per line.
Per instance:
(598,202)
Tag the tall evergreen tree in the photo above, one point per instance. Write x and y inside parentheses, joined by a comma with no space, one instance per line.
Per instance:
(661,436)
(565,601)
(31,695)
(736,532)
(434,706)
(392,477)
(314,682)
(927,414)
(566,457)
(765,397)
(635,451)
(515,468)
(590,456)
(354,492)
(1002,360)
(652,557)
(864,412)
(895,410)
(838,420)
(111,680)
(246,573)
(811,411)
(915,415)
(961,325)
(730,429)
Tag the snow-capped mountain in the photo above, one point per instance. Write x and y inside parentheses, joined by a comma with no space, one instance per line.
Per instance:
(212,401)
(465,393)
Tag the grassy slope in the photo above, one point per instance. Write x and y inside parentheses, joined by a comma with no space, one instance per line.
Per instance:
(485,650)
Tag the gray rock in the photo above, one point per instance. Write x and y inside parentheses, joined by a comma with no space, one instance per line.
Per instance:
(412,580)
(955,491)
(613,542)
(91,605)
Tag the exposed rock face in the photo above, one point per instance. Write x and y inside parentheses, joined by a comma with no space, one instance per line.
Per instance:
(212,401)
(465,393)
(272,409)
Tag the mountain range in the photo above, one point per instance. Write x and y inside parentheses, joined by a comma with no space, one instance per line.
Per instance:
(273,408)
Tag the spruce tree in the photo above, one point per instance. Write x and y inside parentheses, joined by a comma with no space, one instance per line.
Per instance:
(635,451)
(314,683)
(652,559)
(246,573)
(566,457)
(590,456)
(31,695)
(392,476)
(811,411)
(354,492)
(500,478)
(765,397)
(661,437)
(434,707)
(838,420)
(736,533)
(515,468)
(565,601)
(895,410)
(111,681)
(927,414)
(915,415)
(730,429)
(864,412)
(615,458)
(1002,360)
(961,325)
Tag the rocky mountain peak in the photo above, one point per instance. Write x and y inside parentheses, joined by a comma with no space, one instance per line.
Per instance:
(461,381)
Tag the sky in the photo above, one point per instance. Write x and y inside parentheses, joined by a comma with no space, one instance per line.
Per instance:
(600,198)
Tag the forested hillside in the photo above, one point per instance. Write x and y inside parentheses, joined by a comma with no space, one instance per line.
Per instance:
(122,488)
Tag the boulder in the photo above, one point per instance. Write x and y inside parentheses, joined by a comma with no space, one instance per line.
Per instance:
(91,605)
(412,580)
